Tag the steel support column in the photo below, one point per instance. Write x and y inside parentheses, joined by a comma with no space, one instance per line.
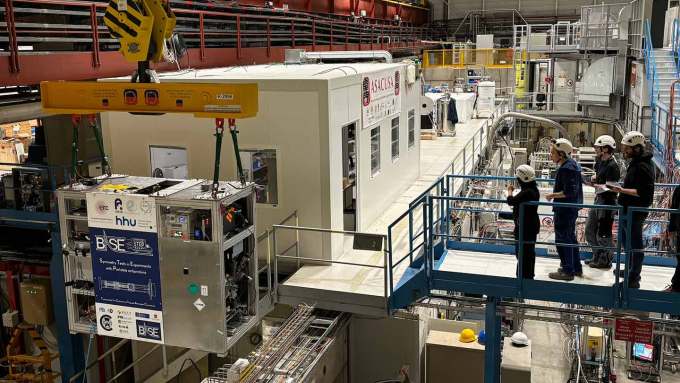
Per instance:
(269,38)
(238,37)
(330,42)
(95,36)
(201,30)
(12,37)
(492,353)
(71,353)
(313,35)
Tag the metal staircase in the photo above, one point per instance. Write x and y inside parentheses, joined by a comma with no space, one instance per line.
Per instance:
(662,70)
(667,72)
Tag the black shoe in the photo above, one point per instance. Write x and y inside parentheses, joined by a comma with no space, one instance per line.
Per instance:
(621,273)
(671,289)
(561,276)
(634,285)
(578,273)
(588,261)
(600,266)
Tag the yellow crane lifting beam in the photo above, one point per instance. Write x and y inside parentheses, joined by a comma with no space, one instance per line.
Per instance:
(202,100)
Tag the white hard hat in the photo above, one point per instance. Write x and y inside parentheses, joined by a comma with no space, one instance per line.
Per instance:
(633,138)
(525,173)
(606,141)
(563,145)
(519,339)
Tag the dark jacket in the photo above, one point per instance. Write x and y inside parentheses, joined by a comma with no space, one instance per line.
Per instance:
(569,181)
(452,113)
(639,176)
(607,171)
(674,219)
(529,192)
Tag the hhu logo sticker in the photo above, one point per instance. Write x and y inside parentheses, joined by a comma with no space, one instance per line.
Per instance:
(124,221)
(149,330)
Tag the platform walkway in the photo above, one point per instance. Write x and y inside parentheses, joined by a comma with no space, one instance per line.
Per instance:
(361,290)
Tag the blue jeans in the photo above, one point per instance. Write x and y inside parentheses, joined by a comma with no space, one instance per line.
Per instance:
(565,233)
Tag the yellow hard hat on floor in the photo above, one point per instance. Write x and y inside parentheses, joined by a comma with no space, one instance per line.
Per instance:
(467,336)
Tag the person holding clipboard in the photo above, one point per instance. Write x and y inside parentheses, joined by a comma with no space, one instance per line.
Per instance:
(637,191)
(600,221)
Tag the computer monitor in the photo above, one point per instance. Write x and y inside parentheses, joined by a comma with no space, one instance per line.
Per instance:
(643,352)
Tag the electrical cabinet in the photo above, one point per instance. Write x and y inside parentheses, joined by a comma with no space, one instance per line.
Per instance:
(160,260)
(36,302)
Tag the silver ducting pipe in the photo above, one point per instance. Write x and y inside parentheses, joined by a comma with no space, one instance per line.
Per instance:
(349,55)
(21,112)
(547,121)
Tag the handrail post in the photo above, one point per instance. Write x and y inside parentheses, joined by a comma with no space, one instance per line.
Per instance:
(387,270)
(410,236)
(619,246)
(238,37)
(297,239)
(389,260)
(430,216)
(313,35)
(269,38)
(95,36)
(442,210)
(269,266)
(629,258)
(426,245)
(520,250)
(276,266)
(12,37)
(201,31)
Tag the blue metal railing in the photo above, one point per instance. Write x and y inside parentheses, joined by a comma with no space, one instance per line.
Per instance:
(437,225)
(675,45)
(653,84)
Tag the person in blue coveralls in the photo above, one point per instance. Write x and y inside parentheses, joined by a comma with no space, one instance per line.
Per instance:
(568,189)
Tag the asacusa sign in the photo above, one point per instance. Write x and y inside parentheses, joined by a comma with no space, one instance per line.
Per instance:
(380,96)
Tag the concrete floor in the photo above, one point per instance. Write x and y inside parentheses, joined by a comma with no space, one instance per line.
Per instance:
(549,364)
(654,278)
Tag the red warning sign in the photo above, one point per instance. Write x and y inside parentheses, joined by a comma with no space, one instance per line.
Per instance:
(633,330)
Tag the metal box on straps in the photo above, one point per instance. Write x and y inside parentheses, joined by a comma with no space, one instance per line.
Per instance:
(160,260)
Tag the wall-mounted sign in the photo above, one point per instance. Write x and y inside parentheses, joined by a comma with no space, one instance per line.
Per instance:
(633,330)
(380,96)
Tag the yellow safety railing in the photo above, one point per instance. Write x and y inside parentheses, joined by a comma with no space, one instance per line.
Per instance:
(460,58)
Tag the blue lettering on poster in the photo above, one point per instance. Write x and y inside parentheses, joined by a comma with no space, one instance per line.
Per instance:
(125,266)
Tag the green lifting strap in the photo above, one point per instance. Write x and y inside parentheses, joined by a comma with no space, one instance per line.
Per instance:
(75,120)
(237,152)
(219,133)
(106,169)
